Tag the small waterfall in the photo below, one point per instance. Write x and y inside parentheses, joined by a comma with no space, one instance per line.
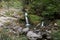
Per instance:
(26,18)
(42,24)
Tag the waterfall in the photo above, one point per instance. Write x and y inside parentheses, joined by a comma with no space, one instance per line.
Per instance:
(26,18)
(42,24)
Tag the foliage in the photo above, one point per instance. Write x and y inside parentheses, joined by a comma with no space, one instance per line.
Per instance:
(34,19)
(11,3)
(45,8)
(58,22)
(5,36)
(56,35)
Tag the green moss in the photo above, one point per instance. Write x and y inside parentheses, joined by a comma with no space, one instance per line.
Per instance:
(34,19)
(58,22)
(56,36)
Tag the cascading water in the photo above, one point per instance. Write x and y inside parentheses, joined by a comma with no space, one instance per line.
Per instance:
(26,18)
(42,24)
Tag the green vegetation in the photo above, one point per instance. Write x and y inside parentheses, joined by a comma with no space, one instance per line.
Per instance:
(10,3)
(37,9)
(5,36)
(49,9)
(56,35)
(35,19)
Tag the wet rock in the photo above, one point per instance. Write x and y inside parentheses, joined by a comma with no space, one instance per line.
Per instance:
(25,29)
(32,36)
